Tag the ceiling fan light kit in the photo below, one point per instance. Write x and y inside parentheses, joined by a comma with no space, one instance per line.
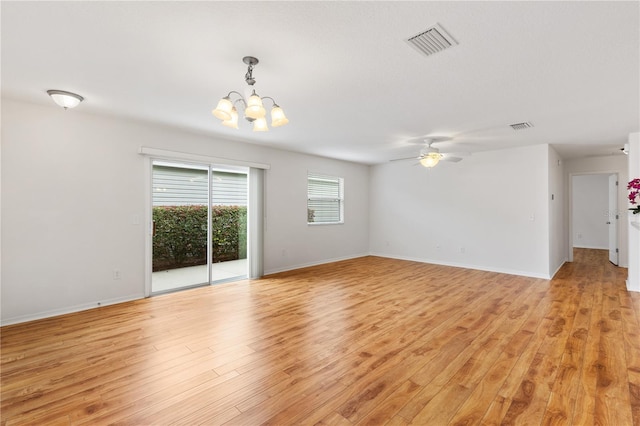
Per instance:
(430,156)
(431,159)
(254,110)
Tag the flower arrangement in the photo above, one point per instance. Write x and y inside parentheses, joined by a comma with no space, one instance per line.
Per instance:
(634,193)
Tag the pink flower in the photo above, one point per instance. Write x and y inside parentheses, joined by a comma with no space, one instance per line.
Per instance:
(633,195)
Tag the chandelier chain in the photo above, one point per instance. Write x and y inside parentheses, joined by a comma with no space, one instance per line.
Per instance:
(248,77)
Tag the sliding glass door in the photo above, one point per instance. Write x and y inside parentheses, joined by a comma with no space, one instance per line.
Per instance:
(229,195)
(199,225)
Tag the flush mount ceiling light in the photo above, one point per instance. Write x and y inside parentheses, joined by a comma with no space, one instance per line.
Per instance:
(65,99)
(254,111)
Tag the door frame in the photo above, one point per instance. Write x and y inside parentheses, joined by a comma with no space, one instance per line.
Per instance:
(570,208)
(207,168)
(613,217)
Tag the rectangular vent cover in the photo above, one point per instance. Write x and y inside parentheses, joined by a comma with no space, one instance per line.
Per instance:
(521,126)
(432,40)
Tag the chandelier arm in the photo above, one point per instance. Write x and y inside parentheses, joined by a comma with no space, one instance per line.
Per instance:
(240,100)
(272,100)
(237,93)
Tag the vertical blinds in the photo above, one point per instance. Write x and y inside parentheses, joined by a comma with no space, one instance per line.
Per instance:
(324,199)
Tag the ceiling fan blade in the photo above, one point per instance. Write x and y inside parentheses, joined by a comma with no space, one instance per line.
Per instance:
(404,159)
(451,159)
(456,153)
(426,140)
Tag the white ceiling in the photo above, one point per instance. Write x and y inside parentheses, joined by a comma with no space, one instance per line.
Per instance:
(351,86)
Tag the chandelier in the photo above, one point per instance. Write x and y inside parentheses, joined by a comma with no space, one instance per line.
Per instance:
(254,111)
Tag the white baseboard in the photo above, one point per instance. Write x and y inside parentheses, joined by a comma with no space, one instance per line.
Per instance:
(306,265)
(591,247)
(467,266)
(69,310)
(558,268)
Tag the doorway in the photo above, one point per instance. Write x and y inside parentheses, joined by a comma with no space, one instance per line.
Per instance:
(594,213)
(199,216)
(612,219)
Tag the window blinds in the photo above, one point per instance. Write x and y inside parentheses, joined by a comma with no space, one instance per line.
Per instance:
(324,199)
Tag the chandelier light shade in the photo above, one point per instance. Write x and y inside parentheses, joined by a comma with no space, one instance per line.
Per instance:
(277,117)
(65,99)
(253,107)
(223,110)
(260,125)
(431,159)
(233,120)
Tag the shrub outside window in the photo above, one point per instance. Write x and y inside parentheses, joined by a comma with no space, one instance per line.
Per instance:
(325,199)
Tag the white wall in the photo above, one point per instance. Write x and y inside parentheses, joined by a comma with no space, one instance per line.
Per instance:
(606,164)
(558,239)
(590,207)
(633,280)
(290,242)
(489,211)
(73,188)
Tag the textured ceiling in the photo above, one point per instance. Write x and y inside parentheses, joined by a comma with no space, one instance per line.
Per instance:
(351,86)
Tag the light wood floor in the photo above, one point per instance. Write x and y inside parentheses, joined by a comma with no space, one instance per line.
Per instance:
(367,341)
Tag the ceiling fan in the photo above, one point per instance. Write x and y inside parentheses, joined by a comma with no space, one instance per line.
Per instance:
(431,156)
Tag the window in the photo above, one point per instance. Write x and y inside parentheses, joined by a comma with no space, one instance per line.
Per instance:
(325,199)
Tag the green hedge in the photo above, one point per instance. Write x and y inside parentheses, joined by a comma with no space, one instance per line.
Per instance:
(181,235)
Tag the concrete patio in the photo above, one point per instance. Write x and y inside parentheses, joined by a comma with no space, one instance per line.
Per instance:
(174,279)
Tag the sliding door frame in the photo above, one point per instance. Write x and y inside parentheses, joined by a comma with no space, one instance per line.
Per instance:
(255,208)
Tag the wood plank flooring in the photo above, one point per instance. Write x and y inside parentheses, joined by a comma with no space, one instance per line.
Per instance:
(369,341)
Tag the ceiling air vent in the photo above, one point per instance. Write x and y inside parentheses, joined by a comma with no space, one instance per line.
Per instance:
(432,40)
(521,126)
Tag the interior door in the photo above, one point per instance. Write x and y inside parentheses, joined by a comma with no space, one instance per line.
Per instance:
(612,219)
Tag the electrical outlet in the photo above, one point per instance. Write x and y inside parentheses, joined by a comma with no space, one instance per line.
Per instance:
(116,274)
